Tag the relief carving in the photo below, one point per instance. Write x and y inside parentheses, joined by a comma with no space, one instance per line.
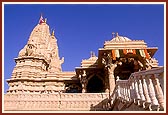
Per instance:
(30,50)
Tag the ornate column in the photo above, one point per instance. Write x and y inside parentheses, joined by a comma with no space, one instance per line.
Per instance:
(83,81)
(111,76)
(158,89)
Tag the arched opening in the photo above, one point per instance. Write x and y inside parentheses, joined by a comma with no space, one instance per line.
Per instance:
(123,71)
(95,85)
(129,66)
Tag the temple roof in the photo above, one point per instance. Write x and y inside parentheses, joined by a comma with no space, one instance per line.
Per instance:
(120,39)
(89,62)
(122,42)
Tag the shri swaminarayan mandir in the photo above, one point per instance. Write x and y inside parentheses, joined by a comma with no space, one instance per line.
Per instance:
(123,77)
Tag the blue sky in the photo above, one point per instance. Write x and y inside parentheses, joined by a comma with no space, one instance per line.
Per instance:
(82,28)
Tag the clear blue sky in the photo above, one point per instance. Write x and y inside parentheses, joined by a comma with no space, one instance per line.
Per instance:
(82,28)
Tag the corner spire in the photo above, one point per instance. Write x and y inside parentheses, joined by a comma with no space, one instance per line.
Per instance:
(113,34)
(45,20)
(92,54)
(117,34)
(52,33)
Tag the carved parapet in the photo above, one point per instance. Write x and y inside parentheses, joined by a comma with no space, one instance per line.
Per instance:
(59,101)
(144,88)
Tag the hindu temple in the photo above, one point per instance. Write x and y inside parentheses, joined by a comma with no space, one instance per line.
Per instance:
(124,76)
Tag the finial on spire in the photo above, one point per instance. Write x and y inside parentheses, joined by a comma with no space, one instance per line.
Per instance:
(41,19)
(92,54)
(117,34)
(45,20)
(52,33)
(113,34)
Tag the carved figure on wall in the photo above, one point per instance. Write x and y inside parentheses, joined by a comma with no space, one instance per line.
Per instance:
(30,50)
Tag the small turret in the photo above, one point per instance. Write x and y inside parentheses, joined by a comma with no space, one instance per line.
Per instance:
(52,33)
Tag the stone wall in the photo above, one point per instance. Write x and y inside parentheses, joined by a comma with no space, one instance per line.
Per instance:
(56,102)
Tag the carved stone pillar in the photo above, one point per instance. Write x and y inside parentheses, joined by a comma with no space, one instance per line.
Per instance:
(83,88)
(159,92)
(83,81)
(111,76)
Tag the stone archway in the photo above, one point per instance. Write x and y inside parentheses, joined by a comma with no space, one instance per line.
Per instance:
(95,85)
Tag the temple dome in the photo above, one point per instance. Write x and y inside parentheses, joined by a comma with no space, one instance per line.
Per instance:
(122,42)
(120,39)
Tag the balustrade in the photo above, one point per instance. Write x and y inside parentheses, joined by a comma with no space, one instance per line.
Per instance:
(158,90)
(143,87)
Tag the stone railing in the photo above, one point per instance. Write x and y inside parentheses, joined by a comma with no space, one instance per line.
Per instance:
(56,102)
(144,89)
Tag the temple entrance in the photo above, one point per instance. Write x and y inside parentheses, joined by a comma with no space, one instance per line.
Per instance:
(129,66)
(95,85)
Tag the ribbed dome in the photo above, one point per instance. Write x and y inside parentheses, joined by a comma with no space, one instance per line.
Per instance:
(120,39)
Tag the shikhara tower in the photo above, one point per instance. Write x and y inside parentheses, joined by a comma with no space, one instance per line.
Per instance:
(38,57)
(124,76)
